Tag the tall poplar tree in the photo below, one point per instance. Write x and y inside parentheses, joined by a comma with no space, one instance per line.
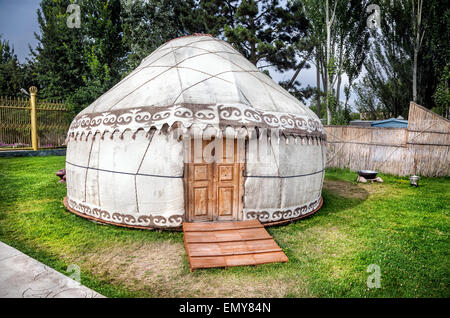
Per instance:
(406,62)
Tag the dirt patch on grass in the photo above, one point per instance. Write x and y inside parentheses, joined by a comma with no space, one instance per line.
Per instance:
(346,189)
(128,263)
(376,188)
(160,269)
(352,190)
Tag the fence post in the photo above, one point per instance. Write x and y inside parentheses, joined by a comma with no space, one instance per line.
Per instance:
(34,140)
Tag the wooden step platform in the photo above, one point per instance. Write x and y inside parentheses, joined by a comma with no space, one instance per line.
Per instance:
(225,244)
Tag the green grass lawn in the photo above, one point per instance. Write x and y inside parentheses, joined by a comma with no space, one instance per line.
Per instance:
(403,230)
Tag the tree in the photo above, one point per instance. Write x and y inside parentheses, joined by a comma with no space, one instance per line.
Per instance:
(78,64)
(329,63)
(265,31)
(388,78)
(13,75)
(104,35)
(103,51)
(367,101)
(434,56)
(58,59)
(315,38)
(149,24)
(404,64)
(418,38)
(337,30)
(441,96)
(352,46)
(389,62)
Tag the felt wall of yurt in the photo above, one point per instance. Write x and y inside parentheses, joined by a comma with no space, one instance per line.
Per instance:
(126,152)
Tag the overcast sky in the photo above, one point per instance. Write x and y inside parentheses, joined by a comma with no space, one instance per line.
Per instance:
(18,22)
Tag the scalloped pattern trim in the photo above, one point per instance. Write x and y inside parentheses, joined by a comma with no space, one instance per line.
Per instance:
(202,116)
(274,215)
(142,220)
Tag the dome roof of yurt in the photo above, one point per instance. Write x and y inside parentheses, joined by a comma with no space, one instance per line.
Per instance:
(196,80)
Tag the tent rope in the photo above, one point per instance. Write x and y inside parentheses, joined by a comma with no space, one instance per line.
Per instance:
(283,177)
(127,173)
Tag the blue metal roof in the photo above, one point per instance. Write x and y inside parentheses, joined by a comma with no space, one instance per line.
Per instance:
(391,122)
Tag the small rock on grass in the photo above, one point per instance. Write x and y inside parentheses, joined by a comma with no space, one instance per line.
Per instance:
(361,179)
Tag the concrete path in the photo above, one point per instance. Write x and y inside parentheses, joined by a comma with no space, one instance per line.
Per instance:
(23,277)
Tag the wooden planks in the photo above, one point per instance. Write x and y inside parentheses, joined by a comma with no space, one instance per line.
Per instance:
(225,244)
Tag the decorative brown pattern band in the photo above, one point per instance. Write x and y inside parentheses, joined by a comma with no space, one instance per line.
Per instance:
(287,221)
(178,228)
(188,114)
(141,221)
(275,215)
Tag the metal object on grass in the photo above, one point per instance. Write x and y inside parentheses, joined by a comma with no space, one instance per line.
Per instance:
(368,174)
(414,180)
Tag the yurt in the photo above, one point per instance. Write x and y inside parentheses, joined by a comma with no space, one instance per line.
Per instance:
(196,133)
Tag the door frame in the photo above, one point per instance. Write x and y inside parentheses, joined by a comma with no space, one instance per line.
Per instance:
(212,166)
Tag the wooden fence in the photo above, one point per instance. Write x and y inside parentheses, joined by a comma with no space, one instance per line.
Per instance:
(31,123)
(422,148)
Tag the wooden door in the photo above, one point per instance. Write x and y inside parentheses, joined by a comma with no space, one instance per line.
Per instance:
(214,190)
(227,183)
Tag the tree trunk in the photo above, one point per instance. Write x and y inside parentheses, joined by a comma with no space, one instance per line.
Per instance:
(339,78)
(324,74)
(328,63)
(417,43)
(416,53)
(300,67)
(329,21)
(338,89)
(347,93)
(318,82)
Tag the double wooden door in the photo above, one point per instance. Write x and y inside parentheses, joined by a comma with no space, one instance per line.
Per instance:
(214,190)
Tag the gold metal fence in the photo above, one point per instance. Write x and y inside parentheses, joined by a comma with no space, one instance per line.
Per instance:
(32,123)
